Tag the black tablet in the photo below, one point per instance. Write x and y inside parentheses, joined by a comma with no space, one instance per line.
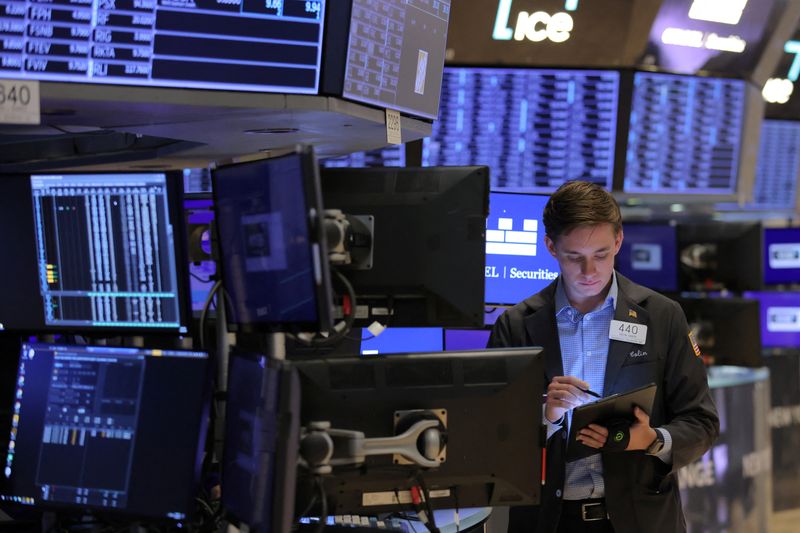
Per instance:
(615,406)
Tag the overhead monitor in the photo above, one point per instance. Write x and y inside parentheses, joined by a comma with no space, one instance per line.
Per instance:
(726,330)
(489,455)
(399,340)
(274,259)
(395,54)
(780,318)
(92,252)
(781,256)
(466,339)
(390,156)
(778,165)
(116,431)
(534,128)
(518,264)
(649,255)
(235,45)
(427,267)
(684,135)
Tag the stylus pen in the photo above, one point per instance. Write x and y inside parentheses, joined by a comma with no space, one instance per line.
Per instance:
(591,393)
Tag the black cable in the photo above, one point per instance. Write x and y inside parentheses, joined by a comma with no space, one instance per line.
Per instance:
(198,278)
(427,500)
(323,515)
(348,321)
(206,306)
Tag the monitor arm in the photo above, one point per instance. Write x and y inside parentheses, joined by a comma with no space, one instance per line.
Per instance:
(349,239)
(323,447)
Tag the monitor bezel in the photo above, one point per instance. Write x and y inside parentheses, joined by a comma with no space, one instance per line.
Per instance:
(318,245)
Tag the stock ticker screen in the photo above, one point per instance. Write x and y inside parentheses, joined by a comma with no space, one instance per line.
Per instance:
(534,128)
(778,165)
(90,429)
(395,54)
(105,251)
(250,45)
(685,134)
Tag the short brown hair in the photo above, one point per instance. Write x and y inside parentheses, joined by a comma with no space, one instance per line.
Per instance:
(580,203)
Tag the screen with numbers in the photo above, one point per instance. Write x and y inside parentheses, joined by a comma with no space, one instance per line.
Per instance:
(395,54)
(685,134)
(249,45)
(534,128)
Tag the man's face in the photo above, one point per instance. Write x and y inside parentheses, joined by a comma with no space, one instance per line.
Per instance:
(585,256)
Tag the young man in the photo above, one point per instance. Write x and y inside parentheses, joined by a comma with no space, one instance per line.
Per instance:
(630,491)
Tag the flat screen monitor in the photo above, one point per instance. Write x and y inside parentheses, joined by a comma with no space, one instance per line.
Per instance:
(684,135)
(90,430)
(780,318)
(399,340)
(727,330)
(395,54)
(781,256)
(518,264)
(274,259)
(242,46)
(93,252)
(715,256)
(492,452)
(390,156)
(534,128)
(428,258)
(262,434)
(778,165)
(466,339)
(649,256)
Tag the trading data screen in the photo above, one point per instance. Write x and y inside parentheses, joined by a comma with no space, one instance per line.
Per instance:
(777,165)
(535,129)
(518,264)
(395,54)
(90,429)
(106,251)
(684,135)
(274,45)
(390,156)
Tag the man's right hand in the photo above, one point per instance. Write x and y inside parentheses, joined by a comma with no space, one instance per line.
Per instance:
(564,393)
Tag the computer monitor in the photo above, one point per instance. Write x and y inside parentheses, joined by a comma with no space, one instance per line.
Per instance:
(389,55)
(390,156)
(534,128)
(399,340)
(780,318)
(711,256)
(273,253)
(518,264)
(466,339)
(491,457)
(726,329)
(93,252)
(106,429)
(781,256)
(684,135)
(649,255)
(428,245)
(262,432)
(244,46)
(202,267)
(777,166)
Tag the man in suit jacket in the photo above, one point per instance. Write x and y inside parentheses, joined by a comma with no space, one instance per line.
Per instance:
(577,320)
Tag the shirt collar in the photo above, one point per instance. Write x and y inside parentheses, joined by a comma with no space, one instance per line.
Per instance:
(563,303)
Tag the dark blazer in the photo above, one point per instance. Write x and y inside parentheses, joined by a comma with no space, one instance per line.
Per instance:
(641,491)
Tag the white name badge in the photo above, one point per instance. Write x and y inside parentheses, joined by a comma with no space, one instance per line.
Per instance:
(627,332)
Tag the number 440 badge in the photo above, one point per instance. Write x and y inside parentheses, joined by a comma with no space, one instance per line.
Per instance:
(627,332)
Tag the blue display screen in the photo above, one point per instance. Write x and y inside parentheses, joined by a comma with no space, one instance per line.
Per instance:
(649,256)
(780,318)
(402,340)
(781,255)
(685,134)
(777,165)
(466,339)
(518,263)
(534,128)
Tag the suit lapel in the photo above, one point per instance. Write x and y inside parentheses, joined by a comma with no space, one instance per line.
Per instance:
(541,328)
(626,311)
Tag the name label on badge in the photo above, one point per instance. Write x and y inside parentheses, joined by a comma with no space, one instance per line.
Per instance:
(627,332)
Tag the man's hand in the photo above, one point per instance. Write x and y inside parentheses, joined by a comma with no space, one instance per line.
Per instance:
(564,393)
(642,435)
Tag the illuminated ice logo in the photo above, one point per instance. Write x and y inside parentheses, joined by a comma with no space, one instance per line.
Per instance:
(506,241)
(784,255)
(646,256)
(783,319)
